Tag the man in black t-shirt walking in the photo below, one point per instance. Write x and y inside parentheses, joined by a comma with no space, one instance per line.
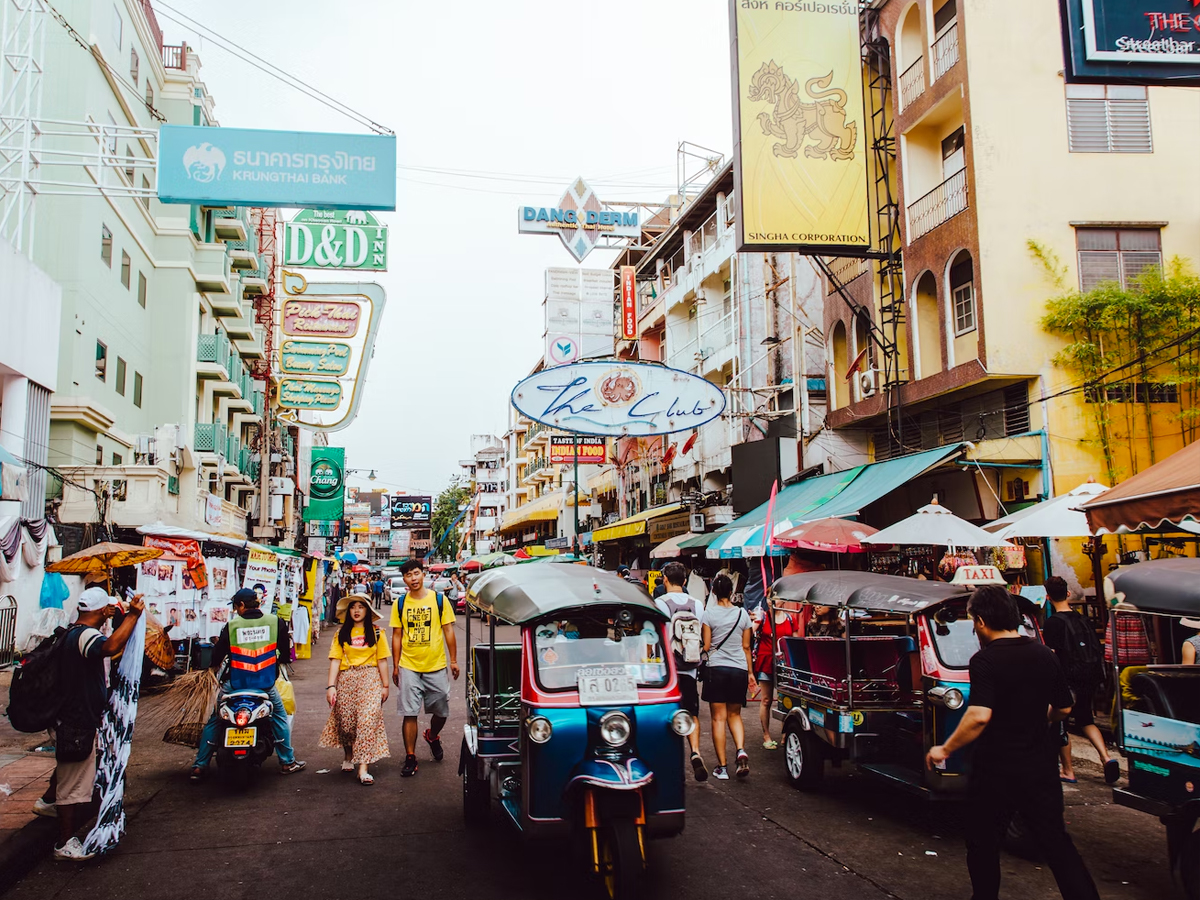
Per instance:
(1018,691)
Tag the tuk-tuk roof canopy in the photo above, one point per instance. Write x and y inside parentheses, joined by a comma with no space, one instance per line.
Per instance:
(865,590)
(520,594)
(1170,586)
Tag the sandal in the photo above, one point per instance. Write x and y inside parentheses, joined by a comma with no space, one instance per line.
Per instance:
(366,778)
(347,767)
(769,744)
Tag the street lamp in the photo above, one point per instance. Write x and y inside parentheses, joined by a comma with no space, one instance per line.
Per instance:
(370,475)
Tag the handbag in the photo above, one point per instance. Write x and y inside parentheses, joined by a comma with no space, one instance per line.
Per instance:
(287,693)
(702,671)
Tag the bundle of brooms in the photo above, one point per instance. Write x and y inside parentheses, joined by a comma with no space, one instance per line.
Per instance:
(182,708)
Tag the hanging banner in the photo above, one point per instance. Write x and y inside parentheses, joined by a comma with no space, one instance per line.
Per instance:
(401,544)
(800,161)
(183,549)
(335,239)
(592,450)
(326,483)
(628,302)
(262,569)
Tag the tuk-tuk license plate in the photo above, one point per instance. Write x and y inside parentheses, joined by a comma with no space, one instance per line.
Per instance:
(606,686)
(241,737)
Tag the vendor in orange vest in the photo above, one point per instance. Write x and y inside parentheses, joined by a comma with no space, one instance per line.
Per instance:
(255,644)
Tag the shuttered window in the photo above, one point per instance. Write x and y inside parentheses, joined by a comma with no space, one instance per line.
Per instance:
(1116,255)
(1112,118)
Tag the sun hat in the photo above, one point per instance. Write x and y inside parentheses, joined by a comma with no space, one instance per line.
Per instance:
(95,599)
(344,605)
(1190,623)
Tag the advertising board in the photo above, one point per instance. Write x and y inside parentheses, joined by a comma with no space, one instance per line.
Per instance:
(592,450)
(326,482)
(411,511)
(628,302)
(1132,42)
(335,239)
(330,358)
(580,220)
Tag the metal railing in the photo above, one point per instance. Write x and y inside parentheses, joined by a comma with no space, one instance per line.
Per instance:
(945,201)
(8,630)
(174,56)
(945,52)
(912,83)
(152,21)
(704,238)
(717,336)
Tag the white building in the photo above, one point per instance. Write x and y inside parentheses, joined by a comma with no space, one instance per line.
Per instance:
(485,475)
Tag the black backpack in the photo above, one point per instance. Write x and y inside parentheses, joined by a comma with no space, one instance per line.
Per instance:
(1084,662)
(38,688)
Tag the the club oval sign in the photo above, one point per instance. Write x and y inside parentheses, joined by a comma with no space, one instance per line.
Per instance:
(618,399)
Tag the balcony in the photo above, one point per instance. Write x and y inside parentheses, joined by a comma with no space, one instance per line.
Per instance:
(944,202)
(945,52)
(174,56)
(212,355)
(210,270)
(252,347)
(242,327)
(537,431)
(912,83)
(211,437)
(137,495)
(232,224)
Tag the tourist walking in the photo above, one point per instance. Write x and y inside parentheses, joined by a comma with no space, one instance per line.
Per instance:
(1018,693)
(770,628)
(423,649)
(687,645)
(357,688)
(728,675)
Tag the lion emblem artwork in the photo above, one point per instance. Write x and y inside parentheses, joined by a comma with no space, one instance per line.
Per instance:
(618,388)
(823,120)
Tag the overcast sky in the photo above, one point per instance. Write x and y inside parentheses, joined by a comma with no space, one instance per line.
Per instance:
(538,90)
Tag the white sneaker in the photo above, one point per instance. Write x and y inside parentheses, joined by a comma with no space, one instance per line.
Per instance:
(721,773)
(42,808)
(72,850)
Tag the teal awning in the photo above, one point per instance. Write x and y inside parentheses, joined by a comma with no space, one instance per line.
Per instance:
(880,479)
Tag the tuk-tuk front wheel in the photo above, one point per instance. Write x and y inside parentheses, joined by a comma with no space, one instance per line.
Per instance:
(621,858)
(803,756)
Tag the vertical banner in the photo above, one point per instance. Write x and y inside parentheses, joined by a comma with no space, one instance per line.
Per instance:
(628,303)
(326,485)
(262,570)
(800,161)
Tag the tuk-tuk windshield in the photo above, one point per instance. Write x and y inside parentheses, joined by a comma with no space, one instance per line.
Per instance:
(954,634)
(565,646)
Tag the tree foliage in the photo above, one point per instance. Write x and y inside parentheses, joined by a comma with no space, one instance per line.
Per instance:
(445,511)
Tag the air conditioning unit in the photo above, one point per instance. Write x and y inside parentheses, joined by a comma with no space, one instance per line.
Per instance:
(696,522)
(868,382)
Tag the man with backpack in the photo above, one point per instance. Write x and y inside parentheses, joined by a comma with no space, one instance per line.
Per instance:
(1074,641)
(686,633)
(423,647)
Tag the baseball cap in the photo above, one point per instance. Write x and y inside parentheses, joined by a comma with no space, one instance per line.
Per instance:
(94,599)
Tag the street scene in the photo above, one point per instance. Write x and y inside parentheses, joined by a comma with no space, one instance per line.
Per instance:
(802,494)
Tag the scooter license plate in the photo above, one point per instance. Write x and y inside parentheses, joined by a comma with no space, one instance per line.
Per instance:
(240,737)
(606,686)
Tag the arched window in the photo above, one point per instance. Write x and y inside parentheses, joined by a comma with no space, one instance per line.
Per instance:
(927,326)
(840,389)
(962,294)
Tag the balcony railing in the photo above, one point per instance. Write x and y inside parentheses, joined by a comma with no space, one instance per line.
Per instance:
(152,21)
(174,56)
(945,52)
(211,437)
(705,237)
(946,200)
(213,348)
(912,83)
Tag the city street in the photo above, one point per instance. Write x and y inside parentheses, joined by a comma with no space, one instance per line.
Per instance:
(320,834)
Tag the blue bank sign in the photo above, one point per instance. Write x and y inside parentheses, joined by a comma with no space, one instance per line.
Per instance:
(248,167)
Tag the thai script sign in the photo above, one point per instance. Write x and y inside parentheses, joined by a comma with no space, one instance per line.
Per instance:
(408,512)
(314,358)
(335,239)
(800,162)
(592,451)
(321,318)
(628,302)
(249,167)
(579,220)
(618,399)
(326,484)
(304,393)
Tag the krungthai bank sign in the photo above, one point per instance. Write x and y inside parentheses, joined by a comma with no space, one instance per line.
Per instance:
(579,220)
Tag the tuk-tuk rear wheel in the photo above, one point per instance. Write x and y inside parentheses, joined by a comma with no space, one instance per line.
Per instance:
(1188,866)
(622,862)
(803,756)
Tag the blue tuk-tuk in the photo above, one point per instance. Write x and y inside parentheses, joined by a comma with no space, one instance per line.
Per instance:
(1158,706)
(576,730)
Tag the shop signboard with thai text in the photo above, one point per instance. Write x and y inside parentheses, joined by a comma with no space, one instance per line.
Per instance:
(308,393)
(335,239)
(328,358)
(592,450)
(672,525)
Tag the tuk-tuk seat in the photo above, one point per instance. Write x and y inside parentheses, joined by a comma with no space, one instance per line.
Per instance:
(1170,693)
(508,678)
(875,661)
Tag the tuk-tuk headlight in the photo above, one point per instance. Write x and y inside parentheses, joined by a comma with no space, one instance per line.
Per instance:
(951,698)
(682,723)
(615,728)
(538,728)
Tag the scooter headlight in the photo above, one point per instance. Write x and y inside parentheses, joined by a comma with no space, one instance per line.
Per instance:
(538,728)
(615,728)
(682,723)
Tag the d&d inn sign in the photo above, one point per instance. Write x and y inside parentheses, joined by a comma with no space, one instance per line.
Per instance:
(612,398)
(335,239)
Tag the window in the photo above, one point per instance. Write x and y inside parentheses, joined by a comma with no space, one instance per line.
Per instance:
(106,245)
(1112,118)
(945,15)
(129,164)
(953,159)
(101,360)
(133,65)
(117,27)
(146,188)
(116,459)
(111,142)
(99,455)
(1116,255)
(1133,392)
(142,289)
(962,292)
(126,268)
(120,376)
(137,389)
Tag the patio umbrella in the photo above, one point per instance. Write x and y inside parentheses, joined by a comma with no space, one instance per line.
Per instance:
(488,561)
(831,535)
(104,557)
(522,554)
(1057,517)
(935,525)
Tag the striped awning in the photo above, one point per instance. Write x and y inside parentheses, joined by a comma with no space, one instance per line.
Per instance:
(634,525)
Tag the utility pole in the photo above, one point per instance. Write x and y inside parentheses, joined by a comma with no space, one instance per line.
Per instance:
(575,451)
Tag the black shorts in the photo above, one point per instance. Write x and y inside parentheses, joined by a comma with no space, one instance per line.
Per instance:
(725,684)
(691,694)
(1081,712)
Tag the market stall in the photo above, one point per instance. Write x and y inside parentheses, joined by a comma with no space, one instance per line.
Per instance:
(934,542)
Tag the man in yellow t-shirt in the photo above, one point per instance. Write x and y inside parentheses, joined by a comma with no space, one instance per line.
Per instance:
(422,633)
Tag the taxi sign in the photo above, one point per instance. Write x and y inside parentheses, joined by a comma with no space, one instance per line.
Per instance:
(974,576)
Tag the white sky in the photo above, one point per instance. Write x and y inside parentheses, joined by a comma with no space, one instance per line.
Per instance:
(542,89)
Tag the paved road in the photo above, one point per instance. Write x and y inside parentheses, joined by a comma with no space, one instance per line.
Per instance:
(323,835)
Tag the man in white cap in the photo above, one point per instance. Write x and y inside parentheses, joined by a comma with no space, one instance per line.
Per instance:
(85,649)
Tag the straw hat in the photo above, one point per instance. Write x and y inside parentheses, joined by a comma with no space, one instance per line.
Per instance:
(1190,623)
(344,605)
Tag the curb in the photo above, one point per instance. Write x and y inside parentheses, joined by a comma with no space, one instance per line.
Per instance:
(25,849)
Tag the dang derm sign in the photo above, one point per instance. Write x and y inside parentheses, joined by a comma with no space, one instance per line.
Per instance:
(248,167)
(618,399)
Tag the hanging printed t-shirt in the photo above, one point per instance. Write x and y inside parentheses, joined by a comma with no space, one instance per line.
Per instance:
(222,577)
(357,653)
(216,616)
(300,624)
(424,646)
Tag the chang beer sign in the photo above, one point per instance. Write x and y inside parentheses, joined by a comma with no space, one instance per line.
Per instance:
(326,484)
(335,239)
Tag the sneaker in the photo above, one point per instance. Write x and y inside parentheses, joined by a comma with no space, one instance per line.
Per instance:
(721,773)
(294,766)
(743,764)
(72,850)
(42,808)
(409,769)
(196,775)
(698,768)
(435,745)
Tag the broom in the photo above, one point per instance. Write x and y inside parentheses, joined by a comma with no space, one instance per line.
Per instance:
(182,708)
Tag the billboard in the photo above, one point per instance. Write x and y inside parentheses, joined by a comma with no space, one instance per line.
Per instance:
(411,512)
(1132,41)
(326,483)
(578,311)
(800,159)
(250,167)
(591,449)
(580,220)
(335,239)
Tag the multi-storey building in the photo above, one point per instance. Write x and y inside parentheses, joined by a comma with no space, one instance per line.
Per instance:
(485,477)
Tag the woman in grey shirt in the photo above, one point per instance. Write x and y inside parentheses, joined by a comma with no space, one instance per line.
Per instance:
(726,632)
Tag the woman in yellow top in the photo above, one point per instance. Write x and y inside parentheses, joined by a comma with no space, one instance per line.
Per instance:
(358,688)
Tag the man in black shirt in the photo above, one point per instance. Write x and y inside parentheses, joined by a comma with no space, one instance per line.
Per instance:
(1018,691)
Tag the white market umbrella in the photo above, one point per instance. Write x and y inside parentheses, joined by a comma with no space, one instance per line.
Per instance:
(1053,518)
(934,524)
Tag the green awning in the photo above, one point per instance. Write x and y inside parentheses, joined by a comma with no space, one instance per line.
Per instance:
(880,479)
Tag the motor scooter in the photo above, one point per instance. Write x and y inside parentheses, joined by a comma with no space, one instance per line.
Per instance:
(246,738)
